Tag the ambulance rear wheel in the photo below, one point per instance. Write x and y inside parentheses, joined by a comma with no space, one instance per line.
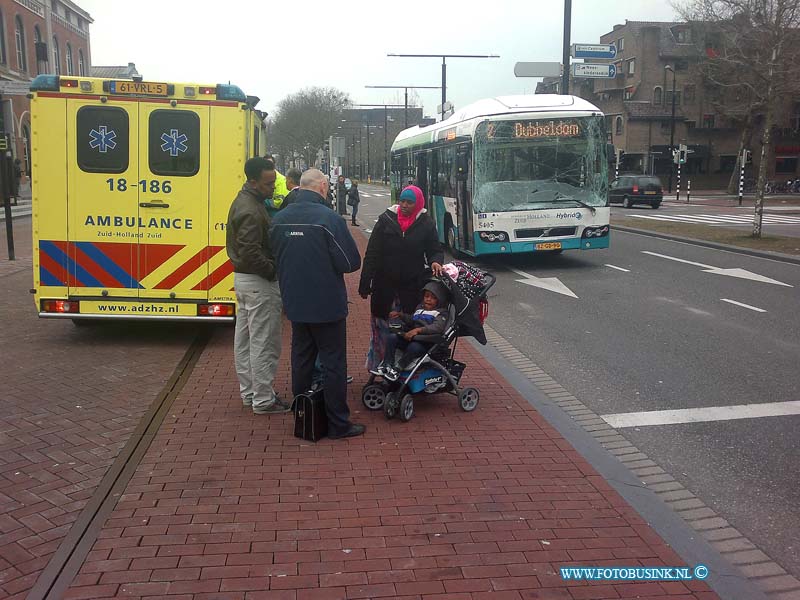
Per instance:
(373,396)
(468,399)
(406,408)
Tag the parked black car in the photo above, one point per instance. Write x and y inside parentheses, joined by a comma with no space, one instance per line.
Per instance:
(636,189)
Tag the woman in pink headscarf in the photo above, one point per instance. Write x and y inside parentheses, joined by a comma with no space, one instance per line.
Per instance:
(402,254)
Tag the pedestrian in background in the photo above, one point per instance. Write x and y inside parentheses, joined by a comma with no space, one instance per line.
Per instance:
(341,195)
(353,200)
(314,249)
(293,184)
(257,339)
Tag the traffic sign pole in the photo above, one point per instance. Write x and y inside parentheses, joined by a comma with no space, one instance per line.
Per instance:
(567,33)
(678,186)
(742,159)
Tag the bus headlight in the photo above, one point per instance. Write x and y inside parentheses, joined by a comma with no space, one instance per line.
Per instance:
(596,232)
(493,236)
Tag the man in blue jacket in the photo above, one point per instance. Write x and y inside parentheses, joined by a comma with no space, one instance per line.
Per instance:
(314,249)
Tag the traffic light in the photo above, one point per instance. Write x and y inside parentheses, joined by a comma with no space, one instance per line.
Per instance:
(682,156)
(620,154)
(748,157)
(676,154)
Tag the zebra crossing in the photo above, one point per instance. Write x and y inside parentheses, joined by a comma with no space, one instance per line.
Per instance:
(372,194)
(723,219)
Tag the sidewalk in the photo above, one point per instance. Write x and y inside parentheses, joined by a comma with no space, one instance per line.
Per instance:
(449,506)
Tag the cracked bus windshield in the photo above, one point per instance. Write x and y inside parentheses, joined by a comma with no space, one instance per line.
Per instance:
(540,164)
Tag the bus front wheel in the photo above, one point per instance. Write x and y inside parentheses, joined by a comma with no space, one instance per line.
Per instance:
(450,234)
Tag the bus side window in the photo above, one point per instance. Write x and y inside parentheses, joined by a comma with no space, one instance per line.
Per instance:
(103,139)
(174,147)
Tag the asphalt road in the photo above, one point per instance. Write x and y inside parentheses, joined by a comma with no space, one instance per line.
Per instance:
(664,333)
(783,220)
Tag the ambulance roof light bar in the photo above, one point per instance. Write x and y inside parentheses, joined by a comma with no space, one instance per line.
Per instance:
(230,92)
(45,83)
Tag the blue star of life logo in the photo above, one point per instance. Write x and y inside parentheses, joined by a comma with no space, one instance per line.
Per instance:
(174,142)
(102,139)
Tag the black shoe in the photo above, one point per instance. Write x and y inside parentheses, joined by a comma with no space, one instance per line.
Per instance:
(354,430)
(354,224)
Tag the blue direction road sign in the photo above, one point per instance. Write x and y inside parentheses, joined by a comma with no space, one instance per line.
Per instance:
(594,51)
(594,70)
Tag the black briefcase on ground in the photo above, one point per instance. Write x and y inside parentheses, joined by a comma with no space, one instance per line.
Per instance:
(310,419)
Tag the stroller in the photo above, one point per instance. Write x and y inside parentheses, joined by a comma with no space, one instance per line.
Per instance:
(438,370)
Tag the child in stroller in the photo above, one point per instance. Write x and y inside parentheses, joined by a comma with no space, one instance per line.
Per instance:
(430,318)
(428,364)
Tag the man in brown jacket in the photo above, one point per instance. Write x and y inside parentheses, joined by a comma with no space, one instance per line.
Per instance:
(257,341)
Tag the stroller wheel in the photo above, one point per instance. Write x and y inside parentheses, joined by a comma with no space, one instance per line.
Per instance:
(468,399)
(390,405)
(373,396)
(407,408)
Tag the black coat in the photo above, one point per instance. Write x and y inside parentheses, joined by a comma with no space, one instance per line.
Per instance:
(398,263)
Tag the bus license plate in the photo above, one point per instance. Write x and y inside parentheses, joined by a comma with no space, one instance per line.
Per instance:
(650,193)
(549,246)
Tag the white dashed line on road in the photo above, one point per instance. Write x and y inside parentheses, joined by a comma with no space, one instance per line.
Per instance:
(618,268)
(755,308)
(702,415)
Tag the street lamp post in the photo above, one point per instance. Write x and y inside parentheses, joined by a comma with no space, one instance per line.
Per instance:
(444,65)
(671,130)
(406,88)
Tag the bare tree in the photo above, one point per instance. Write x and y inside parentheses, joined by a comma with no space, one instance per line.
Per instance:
(306,119)
(752,50)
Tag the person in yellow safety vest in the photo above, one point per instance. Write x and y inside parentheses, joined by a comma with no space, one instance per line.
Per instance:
(275,203)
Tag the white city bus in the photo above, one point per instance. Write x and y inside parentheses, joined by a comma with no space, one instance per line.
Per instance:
(512,174)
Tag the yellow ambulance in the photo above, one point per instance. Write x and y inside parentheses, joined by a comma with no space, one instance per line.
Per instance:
(132,181)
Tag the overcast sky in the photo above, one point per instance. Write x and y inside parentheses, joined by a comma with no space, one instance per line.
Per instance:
(271,49)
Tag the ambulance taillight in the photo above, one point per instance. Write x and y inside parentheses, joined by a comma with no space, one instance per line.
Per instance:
(61,306)
(215,310)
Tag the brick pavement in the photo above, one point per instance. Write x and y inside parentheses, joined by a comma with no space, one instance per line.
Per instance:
(70,399)
(458,506)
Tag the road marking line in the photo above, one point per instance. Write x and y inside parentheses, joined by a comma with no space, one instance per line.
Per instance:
(702,415)
(736,272)
(618,268)
(755,308)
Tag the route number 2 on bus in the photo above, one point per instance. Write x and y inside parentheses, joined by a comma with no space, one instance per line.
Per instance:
(154,186)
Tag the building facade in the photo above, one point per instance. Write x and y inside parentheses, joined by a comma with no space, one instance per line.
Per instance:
(38,37)
(653,59)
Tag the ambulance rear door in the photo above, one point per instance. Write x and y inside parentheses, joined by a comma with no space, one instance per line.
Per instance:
(174,252)
(100,253)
